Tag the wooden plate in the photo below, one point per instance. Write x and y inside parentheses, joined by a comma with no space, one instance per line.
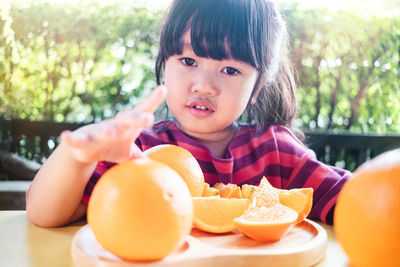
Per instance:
(304,245)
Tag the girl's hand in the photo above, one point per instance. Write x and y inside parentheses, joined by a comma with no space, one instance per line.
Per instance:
(114,139)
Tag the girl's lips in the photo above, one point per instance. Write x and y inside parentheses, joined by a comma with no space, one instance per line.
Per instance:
(200,108)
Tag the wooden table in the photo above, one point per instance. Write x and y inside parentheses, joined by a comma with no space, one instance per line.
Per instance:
(24,244)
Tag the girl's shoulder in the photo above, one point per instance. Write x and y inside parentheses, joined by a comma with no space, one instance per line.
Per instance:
(273,130)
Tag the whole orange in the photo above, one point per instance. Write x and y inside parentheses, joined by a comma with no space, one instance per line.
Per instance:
(140,210)
(183,162)
(367,214)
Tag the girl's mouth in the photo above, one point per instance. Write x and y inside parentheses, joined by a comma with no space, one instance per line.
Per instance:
(200,108)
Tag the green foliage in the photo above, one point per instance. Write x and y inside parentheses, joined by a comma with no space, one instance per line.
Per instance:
(348,66)
(75,62)
(86,61)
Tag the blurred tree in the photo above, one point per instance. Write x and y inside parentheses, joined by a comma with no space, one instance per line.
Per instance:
(75,62)
(348,67)
(86,61)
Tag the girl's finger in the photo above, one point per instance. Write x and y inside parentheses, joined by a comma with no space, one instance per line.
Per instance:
(135,152)
(75,138)
(151,103)
(134,119)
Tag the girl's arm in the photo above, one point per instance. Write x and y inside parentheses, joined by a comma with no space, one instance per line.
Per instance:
(54,198)
(327,181)
(57,189)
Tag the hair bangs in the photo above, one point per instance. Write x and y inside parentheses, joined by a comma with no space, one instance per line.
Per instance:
(221,29)
(216,31)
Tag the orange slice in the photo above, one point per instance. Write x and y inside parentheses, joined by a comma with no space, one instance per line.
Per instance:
(215,214)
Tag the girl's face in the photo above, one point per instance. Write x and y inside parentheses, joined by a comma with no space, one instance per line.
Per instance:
(205,95)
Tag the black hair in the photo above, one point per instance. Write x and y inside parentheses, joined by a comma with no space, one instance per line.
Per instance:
(252,31)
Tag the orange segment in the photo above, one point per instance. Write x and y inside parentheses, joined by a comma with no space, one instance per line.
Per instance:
(298,199)
(215,214)
(228,190)
(266,224)
(269,216)
(224,189)
(248,190)
(265,195)
(235,193)
(221,188)
(209,191)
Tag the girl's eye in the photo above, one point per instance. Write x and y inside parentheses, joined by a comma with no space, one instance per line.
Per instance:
(188,61)
(230,71)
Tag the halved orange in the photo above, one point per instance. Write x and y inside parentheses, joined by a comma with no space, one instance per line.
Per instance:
(298,199)
(215,214)
(266,224)
(266,219)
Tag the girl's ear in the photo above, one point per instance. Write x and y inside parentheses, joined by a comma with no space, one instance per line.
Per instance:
(163,77)
(261,83)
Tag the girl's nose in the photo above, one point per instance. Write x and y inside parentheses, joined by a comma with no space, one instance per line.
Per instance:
(204,84)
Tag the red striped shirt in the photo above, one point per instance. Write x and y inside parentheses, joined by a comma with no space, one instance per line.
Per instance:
(274,153)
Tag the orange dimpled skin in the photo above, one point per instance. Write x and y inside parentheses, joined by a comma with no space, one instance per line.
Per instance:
(140,210)
(367,213)
(183,162)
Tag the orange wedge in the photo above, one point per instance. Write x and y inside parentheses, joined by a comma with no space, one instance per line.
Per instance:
(215,214)
(298,199)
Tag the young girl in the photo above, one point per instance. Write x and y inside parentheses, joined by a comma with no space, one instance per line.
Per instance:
(232,94)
